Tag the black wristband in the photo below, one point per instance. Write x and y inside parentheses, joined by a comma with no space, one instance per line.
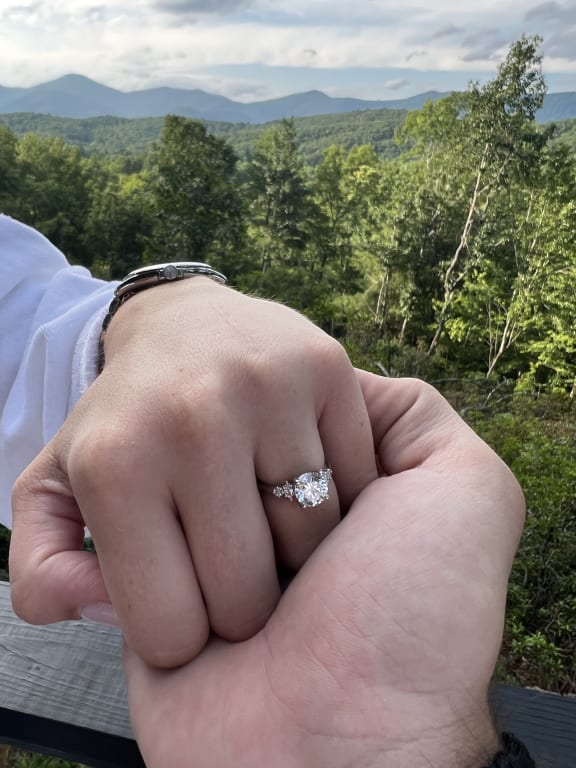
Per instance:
(513,755)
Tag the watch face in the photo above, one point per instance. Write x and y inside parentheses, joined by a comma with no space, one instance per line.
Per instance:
(169,272)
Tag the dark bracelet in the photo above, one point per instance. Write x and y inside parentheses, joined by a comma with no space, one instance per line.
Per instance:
(513,755)
(147,277)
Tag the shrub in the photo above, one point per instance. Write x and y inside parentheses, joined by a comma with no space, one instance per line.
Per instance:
(539,648)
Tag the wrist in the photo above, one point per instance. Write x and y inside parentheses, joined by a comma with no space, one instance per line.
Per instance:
(156,313)
(153,276)
(467,743)
(398,736)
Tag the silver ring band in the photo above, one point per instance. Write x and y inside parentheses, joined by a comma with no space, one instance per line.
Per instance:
(310,489)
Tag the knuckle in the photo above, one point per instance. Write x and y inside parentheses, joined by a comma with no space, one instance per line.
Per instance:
(305,357)
(168,656)
(194,420)
(333,350)
(255,378)
(20,492)
(237,627)
(26,599)
(331,354)
(44,469)
(427,398)
(101,455)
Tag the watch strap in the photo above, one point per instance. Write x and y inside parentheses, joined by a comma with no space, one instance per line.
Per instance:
(513,754)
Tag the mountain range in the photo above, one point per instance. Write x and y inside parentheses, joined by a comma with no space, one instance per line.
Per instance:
(80,97)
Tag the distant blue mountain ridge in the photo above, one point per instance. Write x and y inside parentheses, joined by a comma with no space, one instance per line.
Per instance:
(80,97)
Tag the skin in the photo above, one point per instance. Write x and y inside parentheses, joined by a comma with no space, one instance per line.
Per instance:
(205,392)
(380,652)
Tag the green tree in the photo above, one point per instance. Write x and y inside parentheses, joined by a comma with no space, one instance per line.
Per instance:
(192,180)
(119,222)
(53,195)
(278,198)
(331,236)
(9,171)
(478,142)
(548,338)
(338,264)
(515,292)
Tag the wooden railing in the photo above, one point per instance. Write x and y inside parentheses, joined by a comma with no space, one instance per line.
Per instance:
(62,693)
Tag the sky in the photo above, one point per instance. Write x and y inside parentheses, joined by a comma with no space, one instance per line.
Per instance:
(250,50)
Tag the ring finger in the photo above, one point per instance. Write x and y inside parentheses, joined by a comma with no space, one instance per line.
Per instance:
(300,500)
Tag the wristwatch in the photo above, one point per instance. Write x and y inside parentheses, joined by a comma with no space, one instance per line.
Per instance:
(146,277)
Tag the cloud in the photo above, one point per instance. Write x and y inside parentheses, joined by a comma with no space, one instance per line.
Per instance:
(200,6)
(447,31)
(416,55)
(562,44)
(480,37)
(396,85)
(486,44)
(487,53)
(22,13)
(545,11)
(554,16)
(95,14)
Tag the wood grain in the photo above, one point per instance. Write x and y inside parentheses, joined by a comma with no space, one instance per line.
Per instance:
(70,671)
(545,722)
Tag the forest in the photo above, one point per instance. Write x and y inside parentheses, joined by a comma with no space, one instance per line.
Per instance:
(445,252)
(121,137)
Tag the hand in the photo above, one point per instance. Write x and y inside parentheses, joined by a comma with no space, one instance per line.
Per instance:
(380,652)
(205,392)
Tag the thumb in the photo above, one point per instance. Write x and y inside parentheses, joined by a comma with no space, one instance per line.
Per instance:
(52,578)
(413,425)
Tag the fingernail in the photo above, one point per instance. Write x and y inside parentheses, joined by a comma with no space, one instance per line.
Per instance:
(101,613)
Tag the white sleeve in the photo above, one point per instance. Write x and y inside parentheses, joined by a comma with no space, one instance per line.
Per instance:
(50,318)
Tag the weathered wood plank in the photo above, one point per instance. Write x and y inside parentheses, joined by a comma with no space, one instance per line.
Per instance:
(72,673)
(545,722)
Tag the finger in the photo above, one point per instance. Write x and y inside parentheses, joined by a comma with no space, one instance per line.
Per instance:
(143,683)
(416,428)
(191,702)
(228,533)
(51,578)
(346,435)
(413,424)
(302,517)
(288,447)
(147,567)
